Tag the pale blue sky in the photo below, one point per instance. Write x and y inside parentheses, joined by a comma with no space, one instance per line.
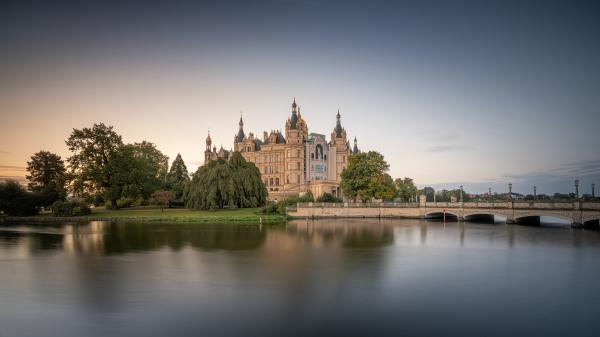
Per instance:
(472,93)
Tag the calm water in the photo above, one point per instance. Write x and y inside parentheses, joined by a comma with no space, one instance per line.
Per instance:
(352,278)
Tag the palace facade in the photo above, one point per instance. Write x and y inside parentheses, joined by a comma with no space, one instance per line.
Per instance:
(293,164)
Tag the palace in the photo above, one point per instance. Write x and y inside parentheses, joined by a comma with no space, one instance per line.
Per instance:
(293,164)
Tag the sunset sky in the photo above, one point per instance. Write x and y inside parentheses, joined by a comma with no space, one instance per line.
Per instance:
(476,93)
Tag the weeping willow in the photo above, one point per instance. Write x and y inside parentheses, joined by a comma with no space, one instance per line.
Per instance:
(220,184)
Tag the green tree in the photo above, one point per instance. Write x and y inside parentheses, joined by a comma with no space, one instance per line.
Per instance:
(406,188)
(177,177)
(14,200)
(383,187)
(363,178)
(428,192)
(47,175)
(220,183)
(141,169)
(93,164)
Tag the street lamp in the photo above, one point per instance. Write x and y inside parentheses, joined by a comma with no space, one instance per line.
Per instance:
(577,189)
(593,191)
(534,192)
(510,190)
(490,193)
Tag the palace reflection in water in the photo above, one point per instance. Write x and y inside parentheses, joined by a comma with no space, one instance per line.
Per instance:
(350,277)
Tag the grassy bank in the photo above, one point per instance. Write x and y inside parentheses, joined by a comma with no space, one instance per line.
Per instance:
(153,214)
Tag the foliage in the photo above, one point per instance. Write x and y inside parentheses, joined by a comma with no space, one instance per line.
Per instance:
(364,178)
(428,192)
(270,208)
(47,175)
(446,195)
(14,200)
(177,177)
(219,183)
(383,187)
(94,163)
(70,208)
(141,170)
(406,189)
(162,198)
(328,197)
(101,163)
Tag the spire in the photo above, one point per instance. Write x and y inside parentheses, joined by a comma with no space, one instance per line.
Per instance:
(338,125)
(294,119)
(240,135)
(355,149)
(208,141)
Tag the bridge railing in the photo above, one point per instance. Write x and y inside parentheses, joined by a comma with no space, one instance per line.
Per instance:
(358,204)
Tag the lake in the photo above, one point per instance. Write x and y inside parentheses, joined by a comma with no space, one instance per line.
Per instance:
(327,277)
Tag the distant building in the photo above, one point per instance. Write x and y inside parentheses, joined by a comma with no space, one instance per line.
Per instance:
(298,162)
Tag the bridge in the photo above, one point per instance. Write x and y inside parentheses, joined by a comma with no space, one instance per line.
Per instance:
(577,213)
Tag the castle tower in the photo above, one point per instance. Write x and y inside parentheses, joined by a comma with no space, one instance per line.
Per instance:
(340,143)
(207,151)
(355,148)
(239,138)
(296,134)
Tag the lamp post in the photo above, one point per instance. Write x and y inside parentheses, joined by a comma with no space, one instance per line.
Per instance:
(577,189)
(490,194)
(534,192)
(593,191)
(510,190)
(461,193)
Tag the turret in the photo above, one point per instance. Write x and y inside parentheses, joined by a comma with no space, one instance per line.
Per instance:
(208,141)
(240,135)
(355,148)
(294,118)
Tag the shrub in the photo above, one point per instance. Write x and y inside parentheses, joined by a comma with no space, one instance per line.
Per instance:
(14,200)
(328,197)
(270,208)
(70,208)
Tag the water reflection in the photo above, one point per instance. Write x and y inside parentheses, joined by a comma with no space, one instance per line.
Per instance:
(334,277)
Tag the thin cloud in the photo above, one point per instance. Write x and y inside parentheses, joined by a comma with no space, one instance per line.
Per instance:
(448,148)
(10,167)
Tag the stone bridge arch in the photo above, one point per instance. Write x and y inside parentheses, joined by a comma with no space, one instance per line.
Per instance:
(439,213)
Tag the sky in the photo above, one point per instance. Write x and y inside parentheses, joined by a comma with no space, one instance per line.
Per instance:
(472,93)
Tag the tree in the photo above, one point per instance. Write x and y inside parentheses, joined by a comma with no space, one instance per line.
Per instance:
(383,187)
(94,163)
(363,178)
(47,175)
(140,170)
(428,192)
(162,198)
(406,188)
(177,177)
(14,200)
(220,183)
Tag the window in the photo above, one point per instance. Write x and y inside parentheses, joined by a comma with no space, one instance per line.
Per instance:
(312,156)
(271,181)
(325,157)
(298,165)
(266,170)
(276,181)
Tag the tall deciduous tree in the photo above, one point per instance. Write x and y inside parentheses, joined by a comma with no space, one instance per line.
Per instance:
(364,177)
(47,175)
(220,183)
(177,177)
(94,165)
(406,188)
